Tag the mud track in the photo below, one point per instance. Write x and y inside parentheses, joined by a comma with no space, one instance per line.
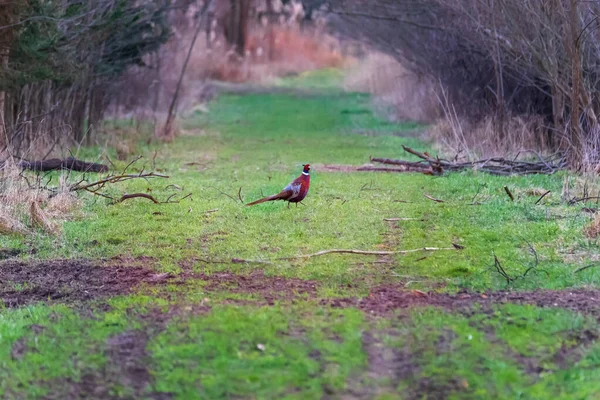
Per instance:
(69,281)
(386,298)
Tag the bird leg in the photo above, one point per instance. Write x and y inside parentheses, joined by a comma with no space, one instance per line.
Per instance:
(301,203)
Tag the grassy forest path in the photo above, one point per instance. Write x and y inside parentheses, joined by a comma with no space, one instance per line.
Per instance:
(207,298)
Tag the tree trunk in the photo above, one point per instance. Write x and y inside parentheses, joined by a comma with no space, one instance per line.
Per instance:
(6,37)
(270,31)
(238,25)
(576,150)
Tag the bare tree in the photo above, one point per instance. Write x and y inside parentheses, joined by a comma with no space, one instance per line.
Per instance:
(496,57)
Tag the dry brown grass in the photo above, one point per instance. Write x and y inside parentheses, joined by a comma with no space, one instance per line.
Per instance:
(457,136)
(166,133)
(399,93)
(404,95)
(24,208)
(592,230)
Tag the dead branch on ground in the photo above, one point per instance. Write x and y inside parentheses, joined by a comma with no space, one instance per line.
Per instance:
(494,165)
(94,187)
(324,252)
(509,193)
(511,279)
(97,187)
(367,252)
(433,198)
(146,196)
(542,196)
(582,199)
(225,194)
(586,267)
(233,261)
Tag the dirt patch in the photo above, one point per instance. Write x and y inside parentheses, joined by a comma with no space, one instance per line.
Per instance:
(271,288)
(126,368)
(127,353)
(19,349)
(387,366)
(571,355)
(391,239)
(68,281)
(386,298)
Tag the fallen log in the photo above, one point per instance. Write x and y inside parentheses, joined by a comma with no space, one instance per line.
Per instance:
(53,164)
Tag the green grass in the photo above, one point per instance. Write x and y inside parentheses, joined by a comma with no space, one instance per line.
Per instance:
(271,353)
(258,143)
(327,78)
(487,356)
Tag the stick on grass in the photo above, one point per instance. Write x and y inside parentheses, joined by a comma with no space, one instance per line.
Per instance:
(367,252)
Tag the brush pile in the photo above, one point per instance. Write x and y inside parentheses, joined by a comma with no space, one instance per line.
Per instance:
(495,165)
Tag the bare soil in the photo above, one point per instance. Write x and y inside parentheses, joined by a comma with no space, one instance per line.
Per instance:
(385,298)
(81,280)
(68,281)
(126,367)
(270,288)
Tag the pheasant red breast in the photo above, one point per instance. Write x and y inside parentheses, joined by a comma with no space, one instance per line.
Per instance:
(295,192)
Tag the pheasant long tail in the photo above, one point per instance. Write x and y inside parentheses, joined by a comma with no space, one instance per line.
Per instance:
(280,196)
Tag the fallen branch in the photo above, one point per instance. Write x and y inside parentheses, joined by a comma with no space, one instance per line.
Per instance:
(367,252)
(586,267)
(146,196)
(233,261)
(496,165)
(406,168)
(433,198)
(542,196)
(403,219)
(583,199)
(54,164)
(95,186)
(509,193)
(500,269)
(510,279)
(136,195)
(225,194)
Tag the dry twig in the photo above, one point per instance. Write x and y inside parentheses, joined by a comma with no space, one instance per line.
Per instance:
(509,193)
(586,267)
(433,198)
(367,252)
(542,196)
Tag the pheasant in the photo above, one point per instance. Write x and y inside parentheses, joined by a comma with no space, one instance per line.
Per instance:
(295,192)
